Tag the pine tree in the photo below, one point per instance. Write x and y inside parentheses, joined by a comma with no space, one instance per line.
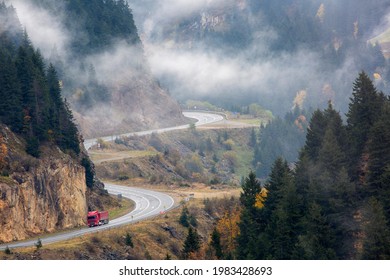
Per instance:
(315,132)
(216,243)
(192,243)
(379,158)
(377,235)
(129,240)
(364,110)
(303,178)
(41,97)
(317,241)
(31,96)
(335,123)
(10,94)
(248,246)
(24,68)
(279,178)
(55,100)
(69,137)
(183,220)
(330,156)
(283,211)
(251,188)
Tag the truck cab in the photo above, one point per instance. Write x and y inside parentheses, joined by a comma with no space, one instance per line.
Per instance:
(96,218)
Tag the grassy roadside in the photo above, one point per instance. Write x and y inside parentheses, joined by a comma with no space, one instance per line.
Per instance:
(100,156)
(158,238)
(126,206)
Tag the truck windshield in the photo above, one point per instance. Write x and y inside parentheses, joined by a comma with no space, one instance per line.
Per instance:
(91,217)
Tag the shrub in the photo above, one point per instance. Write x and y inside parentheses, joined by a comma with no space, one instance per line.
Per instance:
(129,240)
(33,147)
(229,144)
(89,173)
(194,164)
(123,177)
(38,244)
(183,220)
(231,158)
(7,251)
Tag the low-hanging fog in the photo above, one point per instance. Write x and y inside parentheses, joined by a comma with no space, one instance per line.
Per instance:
(177,35)
(101,64)
(232,52)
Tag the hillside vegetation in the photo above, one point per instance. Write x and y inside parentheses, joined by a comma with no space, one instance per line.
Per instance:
(102,67)
(47,181)
(334,203)
(213,157)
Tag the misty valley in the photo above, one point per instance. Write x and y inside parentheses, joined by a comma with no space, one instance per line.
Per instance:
(194,130)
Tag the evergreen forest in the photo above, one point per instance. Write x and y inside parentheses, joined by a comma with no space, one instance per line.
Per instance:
(30,92)
(96,27)
(334,203)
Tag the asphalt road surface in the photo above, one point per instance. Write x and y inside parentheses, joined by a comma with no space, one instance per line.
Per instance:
(147,203)
(202,119)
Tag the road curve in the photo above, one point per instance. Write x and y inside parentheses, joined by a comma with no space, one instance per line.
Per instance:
(201,117)
(147,204)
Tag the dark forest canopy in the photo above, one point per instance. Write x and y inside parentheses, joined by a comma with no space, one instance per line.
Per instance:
(335,203)
(281,137)
(96,25)
(30,92)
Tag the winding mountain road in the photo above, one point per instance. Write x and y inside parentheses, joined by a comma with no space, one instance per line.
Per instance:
(202,119)
(147,203)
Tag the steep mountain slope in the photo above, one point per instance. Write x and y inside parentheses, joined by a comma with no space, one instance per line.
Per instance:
(101,64)
(47,181)
(39,195)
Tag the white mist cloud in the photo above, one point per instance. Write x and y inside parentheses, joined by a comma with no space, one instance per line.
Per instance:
(47,31)
(205,73)
(44,30)
(382,27)
(193,70)
(118,63)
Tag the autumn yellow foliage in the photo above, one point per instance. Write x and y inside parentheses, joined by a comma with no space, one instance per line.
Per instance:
(300,99)
(377,76)
(260,198)
(321,13)
(3,152)
(228,228)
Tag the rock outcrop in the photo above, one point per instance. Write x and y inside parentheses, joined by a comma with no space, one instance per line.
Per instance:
(38,195)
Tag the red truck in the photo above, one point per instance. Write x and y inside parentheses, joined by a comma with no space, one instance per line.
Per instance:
(97,218)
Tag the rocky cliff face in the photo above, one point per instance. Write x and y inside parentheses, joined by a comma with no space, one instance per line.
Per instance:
(38,195)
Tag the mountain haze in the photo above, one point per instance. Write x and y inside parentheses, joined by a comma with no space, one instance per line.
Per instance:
(44,169)
(264,51)
(101,64)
